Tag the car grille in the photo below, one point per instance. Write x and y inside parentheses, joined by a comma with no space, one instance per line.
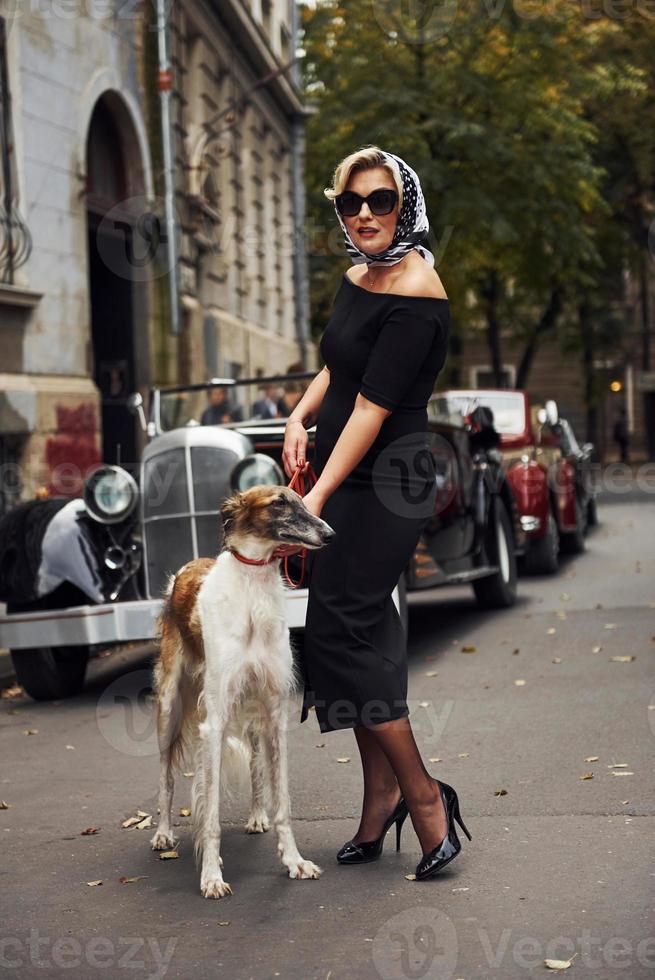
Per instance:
(182,489)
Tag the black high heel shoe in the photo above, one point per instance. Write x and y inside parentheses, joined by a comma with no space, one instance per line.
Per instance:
(352,853)
(450,846)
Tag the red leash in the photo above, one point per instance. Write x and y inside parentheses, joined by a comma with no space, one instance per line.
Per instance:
(302,481)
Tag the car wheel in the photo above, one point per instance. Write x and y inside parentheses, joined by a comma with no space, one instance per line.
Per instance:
(573,542)
(47,673)
(592,512)
(542,556)
(498,591)
(399,596)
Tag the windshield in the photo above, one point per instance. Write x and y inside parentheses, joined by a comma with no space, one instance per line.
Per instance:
(508,408)
(217,404)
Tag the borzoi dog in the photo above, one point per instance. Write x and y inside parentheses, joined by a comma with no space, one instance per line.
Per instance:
(225,673)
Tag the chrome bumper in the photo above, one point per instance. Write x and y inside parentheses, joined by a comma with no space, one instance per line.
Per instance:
(117,622)
(530,523)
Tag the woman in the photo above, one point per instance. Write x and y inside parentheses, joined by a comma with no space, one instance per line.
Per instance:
(383,348)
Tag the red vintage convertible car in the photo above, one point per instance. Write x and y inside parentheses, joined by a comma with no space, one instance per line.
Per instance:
(548,470)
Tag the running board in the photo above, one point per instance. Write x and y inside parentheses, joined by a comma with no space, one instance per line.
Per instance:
(472,573)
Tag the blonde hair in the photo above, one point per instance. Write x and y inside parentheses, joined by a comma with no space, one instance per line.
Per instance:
(363,159)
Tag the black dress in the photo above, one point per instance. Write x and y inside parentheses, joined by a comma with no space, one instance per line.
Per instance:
(390,348)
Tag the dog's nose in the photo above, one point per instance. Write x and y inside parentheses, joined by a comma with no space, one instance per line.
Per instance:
(328,533)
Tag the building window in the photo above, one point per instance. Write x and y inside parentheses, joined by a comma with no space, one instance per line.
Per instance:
(483,377)
(15,239)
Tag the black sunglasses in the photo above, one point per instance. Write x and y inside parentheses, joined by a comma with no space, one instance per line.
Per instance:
(380,201)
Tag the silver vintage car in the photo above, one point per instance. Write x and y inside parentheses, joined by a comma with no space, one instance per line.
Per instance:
(86,573)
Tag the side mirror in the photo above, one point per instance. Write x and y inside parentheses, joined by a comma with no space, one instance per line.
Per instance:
(135,406)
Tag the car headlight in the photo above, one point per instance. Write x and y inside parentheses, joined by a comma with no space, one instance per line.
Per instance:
(110,494)
(256,469)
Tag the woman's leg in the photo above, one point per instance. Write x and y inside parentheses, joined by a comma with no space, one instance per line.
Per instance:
(381,790)
(395,739)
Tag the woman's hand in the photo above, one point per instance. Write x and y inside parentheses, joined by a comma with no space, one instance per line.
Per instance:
(295,446)
(314,501)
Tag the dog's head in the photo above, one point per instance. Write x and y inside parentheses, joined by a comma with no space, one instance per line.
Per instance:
(272,516)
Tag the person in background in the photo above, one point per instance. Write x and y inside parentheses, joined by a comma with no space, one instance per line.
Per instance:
(621,435)
(292,394)
(266,407)
(219,411)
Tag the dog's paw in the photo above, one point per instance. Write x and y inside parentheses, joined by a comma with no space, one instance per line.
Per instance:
(305,869)
(214,888)
(162,842)
(257,824)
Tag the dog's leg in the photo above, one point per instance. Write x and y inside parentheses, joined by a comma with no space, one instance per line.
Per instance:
(275,734)
(169,723)
(212,735)
(258,819)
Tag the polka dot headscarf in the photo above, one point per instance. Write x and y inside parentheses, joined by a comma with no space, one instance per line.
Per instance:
(412,224)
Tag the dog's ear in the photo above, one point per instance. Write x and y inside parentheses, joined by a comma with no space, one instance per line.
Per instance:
(230,507)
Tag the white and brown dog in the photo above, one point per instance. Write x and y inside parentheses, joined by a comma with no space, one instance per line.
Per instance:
(225,673)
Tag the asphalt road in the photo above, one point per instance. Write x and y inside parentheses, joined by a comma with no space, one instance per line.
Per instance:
(558,865)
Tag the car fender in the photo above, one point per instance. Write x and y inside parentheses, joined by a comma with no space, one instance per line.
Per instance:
(529,483)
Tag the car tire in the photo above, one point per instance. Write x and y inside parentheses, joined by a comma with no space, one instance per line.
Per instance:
(401,590)
(49,673)
(592,512)
(542,555)
(573,542)
(498,591)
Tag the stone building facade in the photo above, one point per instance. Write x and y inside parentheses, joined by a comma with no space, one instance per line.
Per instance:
(84,311)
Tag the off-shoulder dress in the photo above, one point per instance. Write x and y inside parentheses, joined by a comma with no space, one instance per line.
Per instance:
(391,348)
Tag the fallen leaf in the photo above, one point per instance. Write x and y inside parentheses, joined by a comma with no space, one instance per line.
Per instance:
(596,649)
(628,658)
(559,964)
(94,884)
(142,814)
(587,775)
(469,648)
(565,596)
(411,877)
(463,755)
(188,774)
(320,745)
(557,660)
(561,614)
(145,824)
(610,626)
(424,704)
(500,792)
(625,802)
(131,822)
(168,855)
(15,691)
(520,682)
(431,673)
(618,765)
(89,831)
(435,758)
(224,923)
(551,630)
(516,652)
(124,880)
(460,889)
(31,731)
(70,747)
(592,758)
(621,772)
(345,758)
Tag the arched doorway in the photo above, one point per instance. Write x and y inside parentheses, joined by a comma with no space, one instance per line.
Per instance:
(113,288)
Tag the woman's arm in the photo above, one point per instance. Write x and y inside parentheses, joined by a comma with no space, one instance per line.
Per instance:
(357,437)
(307,408)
